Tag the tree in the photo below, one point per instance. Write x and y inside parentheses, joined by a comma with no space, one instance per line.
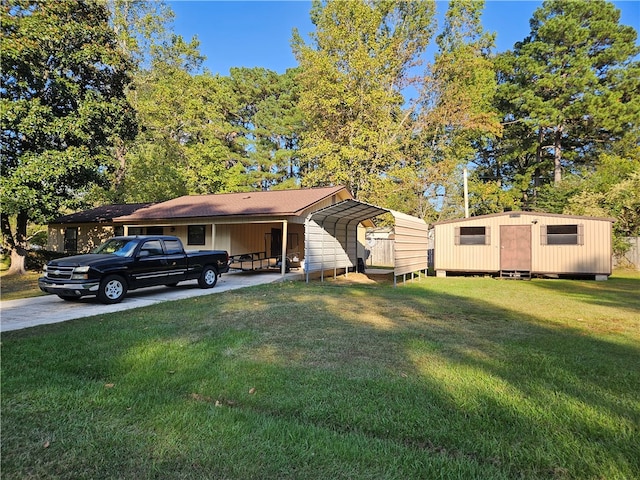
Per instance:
(573,83)
(140,27)
(167,158)
(63,103)
(352,80)
(187,143)
(271,123)
(611,190)
(458,110)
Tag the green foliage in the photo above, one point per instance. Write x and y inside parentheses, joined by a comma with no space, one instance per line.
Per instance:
(351,82)
(457,108)
(612,190)
(569,89)
(268,115)
(63,104)
(139,25)
(360,110)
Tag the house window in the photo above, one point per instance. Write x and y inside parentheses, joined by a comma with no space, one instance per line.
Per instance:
(71,239)
(136,231)
(155,230)
(118,231)
(195,235)
(562,235)
(473,236)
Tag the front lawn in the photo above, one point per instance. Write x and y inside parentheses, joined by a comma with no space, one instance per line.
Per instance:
(20,286)
(468,378)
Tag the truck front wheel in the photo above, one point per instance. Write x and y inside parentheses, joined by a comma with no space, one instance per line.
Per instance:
(208,277)
(112,289)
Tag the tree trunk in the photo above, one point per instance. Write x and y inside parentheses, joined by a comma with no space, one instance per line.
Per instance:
(118,183)
(557,156)
(17,242)
(18,262)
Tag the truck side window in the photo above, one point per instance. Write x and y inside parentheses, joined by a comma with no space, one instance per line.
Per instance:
(173,247)
(153,247)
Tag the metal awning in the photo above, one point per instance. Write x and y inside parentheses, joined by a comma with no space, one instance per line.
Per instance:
(347,210)
(331,238)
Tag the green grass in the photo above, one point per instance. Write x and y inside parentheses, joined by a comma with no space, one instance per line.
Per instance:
(20,286)
(468,378)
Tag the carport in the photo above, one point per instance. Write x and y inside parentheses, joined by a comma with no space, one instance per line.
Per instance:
(331,239)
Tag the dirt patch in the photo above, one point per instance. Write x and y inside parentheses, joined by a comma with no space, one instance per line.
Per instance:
(362,279)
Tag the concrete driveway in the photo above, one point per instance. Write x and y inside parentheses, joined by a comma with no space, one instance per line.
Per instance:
(29,312)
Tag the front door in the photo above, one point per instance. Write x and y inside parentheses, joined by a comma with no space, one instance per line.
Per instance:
(515,247)
(276,242)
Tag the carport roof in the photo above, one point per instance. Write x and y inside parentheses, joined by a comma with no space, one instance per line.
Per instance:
(347,211)
(355,210)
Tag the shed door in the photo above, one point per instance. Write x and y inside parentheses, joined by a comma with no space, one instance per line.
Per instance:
(515,247)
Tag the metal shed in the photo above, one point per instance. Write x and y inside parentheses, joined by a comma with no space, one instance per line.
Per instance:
(522,244)
(331,238)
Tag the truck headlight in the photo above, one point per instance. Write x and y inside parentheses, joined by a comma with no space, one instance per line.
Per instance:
(80,273)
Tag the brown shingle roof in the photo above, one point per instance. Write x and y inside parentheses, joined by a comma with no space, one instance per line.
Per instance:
(271,203)
(106,213)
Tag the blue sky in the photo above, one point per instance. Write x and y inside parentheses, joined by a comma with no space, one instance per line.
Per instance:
(258,33)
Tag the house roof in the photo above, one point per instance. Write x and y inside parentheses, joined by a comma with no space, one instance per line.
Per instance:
(105,213)
(521,213)
(269,203)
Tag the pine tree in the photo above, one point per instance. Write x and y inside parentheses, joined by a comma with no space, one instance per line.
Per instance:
(573,83)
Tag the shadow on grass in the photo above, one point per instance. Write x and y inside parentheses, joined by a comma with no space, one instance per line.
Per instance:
(622,291)
(347,382)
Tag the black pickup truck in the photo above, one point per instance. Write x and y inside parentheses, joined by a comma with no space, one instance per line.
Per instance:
(127,263)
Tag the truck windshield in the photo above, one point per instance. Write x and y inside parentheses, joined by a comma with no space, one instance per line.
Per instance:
(119,247)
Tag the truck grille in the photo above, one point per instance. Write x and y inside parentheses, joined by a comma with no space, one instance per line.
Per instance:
(59,273)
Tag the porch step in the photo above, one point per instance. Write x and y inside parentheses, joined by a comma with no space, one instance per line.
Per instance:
(515,274)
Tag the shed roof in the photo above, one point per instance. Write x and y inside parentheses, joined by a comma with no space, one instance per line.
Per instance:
(520,213)
(269,203)
(102,214)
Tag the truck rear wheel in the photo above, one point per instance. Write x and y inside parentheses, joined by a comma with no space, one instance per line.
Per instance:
(112,289)
(208,277)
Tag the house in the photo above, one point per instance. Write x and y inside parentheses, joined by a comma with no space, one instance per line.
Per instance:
(320,229)
(522,244)
(83,231)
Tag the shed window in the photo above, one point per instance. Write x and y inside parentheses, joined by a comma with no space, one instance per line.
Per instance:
(562,235)
(473,236)
(195,235)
